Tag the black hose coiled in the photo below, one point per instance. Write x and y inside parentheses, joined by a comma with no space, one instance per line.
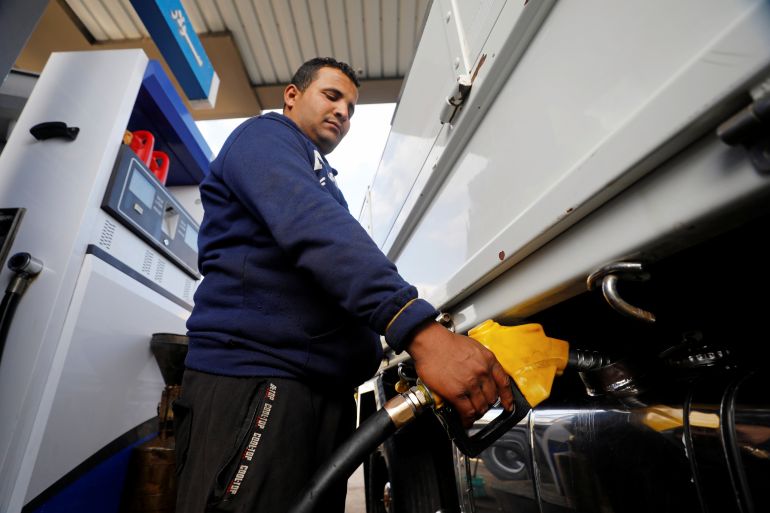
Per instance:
(584,360)
(346,459)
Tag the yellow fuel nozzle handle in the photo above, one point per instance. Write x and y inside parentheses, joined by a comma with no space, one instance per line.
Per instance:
(531,358)
(527,354)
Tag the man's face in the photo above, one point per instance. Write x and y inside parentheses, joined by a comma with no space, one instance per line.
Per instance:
(323,110)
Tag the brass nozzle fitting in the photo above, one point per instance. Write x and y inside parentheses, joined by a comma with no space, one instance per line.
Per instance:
(403,408)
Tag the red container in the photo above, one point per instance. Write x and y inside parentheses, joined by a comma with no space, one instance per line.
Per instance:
(159,166)
(143,143)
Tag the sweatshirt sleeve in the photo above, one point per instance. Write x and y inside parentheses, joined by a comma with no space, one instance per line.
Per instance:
(266,167)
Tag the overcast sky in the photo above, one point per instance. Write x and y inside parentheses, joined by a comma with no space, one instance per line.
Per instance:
(356,157)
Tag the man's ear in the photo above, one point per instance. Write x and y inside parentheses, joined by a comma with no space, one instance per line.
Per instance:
(290,95)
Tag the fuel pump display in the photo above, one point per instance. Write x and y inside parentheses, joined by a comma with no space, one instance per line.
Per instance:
(140,201)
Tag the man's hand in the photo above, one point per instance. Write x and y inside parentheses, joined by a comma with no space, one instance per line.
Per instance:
(460,370)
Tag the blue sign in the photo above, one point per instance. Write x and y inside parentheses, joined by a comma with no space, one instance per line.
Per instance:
(173,34)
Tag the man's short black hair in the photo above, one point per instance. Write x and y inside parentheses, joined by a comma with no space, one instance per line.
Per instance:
(307,72)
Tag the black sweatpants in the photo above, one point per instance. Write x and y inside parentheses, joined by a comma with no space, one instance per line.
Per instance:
(251,444)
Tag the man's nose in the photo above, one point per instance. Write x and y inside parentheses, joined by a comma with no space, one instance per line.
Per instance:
(341,111)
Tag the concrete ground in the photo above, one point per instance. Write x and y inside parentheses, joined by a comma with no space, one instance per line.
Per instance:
(356,501)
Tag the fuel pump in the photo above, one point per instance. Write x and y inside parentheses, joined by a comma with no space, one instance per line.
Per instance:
(528,355)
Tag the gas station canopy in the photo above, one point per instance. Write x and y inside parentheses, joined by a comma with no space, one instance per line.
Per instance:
(253,45)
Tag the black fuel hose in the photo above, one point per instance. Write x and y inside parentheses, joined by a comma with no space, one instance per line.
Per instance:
(25,267)
(346,459)
(394,414)
(7,309)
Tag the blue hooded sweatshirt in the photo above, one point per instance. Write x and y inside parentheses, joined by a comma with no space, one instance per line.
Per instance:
(292,285)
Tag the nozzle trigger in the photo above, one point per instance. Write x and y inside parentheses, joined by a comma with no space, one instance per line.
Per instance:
(472,445)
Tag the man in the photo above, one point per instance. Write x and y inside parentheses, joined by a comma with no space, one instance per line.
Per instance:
(288,316)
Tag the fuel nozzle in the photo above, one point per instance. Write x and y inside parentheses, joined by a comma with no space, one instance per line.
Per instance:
(403,408)
(533,360)
(527,354)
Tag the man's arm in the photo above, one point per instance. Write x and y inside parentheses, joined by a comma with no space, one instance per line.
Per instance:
(272,180)
(460,370)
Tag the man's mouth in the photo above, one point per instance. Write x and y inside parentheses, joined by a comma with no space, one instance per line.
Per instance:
(334,125)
